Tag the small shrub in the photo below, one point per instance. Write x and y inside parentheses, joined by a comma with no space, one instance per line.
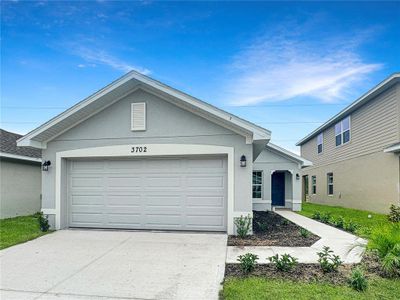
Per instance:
(328,261)
(284,263)
(350,226)
(325,218)
(391,261)
(262,226)
(316,215)
(358,280)
(247,262)
(285,222)
(338,222)
(394,215)
(304,233)
(243,225)
(43,222)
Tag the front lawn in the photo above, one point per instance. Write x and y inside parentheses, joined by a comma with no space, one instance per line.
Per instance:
(18,230)
(262,288)
(360,217)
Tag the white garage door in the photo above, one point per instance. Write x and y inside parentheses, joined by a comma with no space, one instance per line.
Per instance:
(156,193)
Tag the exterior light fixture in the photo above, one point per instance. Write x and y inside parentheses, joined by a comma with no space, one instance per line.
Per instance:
(297,176)
(45,165)
(243,161)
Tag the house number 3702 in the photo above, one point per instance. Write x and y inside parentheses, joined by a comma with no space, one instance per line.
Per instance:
(138,149)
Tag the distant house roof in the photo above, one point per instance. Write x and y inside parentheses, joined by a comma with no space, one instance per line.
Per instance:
(384,85)
(9,148)
(121,87)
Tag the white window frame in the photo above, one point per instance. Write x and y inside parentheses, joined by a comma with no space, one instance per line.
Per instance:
(341,133)
(313,184)
(144,117)
(257,184)
(329,183)
(322,142)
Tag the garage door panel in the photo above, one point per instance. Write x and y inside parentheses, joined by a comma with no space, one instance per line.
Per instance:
(82,199)
(157,193)
(123,182)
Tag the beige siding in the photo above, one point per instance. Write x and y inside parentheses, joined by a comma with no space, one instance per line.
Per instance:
(369,182)
(374,126)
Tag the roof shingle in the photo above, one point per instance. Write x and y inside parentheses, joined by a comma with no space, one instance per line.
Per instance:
(8,144)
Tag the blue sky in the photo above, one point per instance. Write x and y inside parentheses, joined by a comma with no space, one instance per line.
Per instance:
(287,66)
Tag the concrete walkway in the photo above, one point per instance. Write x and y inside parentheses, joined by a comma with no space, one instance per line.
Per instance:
(348,246)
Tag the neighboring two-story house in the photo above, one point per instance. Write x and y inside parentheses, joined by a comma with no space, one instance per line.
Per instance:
(355,154)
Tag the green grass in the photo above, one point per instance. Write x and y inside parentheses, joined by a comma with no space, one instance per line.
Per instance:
(18,230)
(367,225)
(261,288)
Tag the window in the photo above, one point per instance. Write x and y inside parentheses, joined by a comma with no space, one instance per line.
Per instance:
(342,131)
(257,184)
(138,116)
(330,183)
(320,139)
(314,184)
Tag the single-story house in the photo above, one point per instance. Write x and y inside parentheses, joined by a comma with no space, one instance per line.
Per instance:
(139,154)
(20,177)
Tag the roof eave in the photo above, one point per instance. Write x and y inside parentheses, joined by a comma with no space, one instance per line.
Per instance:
(304,162)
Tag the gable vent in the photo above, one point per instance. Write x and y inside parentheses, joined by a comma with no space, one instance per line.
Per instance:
(138,116)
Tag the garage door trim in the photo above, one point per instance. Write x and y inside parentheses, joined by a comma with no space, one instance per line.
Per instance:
(142,150)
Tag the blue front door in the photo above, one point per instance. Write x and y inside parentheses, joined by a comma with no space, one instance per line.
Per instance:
(278,188)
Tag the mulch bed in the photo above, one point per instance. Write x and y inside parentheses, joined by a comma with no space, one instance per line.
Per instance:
(276,231)
(301,272)
(311,272)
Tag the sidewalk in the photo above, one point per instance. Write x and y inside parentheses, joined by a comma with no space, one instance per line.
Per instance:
(348,246)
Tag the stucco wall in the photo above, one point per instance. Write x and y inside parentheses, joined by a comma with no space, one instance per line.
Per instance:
(20,188)
(369,182)
(269,161)
(166,123)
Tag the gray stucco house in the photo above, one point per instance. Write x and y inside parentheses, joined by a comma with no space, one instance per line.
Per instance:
(139,154)
(20,177)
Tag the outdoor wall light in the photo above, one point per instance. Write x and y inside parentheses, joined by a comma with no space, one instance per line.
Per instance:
(45,165)
(297,176)
(243,161)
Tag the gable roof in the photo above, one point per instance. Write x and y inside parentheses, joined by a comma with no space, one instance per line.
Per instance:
(125,85)
(9,148)
(292,156)
(371,94)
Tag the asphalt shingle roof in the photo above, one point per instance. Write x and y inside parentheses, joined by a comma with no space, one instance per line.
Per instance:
(8,144)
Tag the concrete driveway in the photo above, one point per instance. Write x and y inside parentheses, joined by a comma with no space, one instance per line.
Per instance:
(95,264)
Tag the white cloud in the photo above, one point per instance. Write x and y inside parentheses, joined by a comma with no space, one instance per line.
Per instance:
(102,57)
(284,64)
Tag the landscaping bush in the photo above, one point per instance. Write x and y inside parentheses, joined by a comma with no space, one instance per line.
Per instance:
(394,215)
(304,233)
(386,242)
(247,262)
(262,226)
(338,222)
(284,263)
(316,215)
(358,280)
(43,222)
(285,222)
(350,226)
(325,218)
(328,261)
(243,225)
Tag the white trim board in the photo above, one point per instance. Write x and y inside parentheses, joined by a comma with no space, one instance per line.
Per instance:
(152,150)
(20,157)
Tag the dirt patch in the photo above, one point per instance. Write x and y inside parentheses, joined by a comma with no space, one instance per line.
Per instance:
(302,272)
(270,229)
